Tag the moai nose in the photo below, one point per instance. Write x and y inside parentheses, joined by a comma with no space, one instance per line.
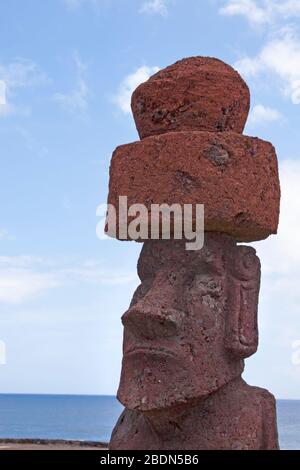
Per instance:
(147,321)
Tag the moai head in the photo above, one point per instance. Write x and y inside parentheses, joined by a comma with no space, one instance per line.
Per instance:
(191,322)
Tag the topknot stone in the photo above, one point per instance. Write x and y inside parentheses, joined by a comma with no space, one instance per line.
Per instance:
(199,93)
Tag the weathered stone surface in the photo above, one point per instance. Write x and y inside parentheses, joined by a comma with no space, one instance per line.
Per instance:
(234,176)
(236,417)
(193,319)
(199,93)
(190,324)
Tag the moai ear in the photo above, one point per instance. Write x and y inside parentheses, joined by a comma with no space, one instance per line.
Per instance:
(243,290)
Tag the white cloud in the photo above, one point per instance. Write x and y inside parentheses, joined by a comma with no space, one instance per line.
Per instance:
(289,8)
(148,6)
(249,67)
(76,4)
(129,84)
(280,55)
(262,114)
(23,278)
(281,58)
(2,93)
(10,109)
(154,6)
(259,12)
(20,284)
(5,235)
(249,9)
(21,261)
(6,110)
(77,99)
(21,73)
(93,272)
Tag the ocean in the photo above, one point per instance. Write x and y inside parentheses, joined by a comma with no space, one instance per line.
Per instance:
(92,418)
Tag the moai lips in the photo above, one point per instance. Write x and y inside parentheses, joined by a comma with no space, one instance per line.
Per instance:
(193,319)
(199,93)
(234,176)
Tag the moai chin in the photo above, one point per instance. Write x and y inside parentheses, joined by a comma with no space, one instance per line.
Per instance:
(193,319)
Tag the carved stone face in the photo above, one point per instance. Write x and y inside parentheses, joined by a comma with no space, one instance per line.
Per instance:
(175,331)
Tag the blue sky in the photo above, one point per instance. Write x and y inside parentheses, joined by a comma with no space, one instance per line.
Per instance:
(67,69)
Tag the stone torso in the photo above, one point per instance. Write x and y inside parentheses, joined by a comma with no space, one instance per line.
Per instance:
(237,417)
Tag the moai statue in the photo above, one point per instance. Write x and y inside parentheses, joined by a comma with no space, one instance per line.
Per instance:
(193,319)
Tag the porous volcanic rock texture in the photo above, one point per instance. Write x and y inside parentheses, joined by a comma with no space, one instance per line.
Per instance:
(193,319)
(234,176)
(200,93)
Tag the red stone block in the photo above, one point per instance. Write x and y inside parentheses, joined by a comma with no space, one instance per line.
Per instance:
(234,176)
(199,93)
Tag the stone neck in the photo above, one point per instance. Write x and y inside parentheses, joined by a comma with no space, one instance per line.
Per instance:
(175,420)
